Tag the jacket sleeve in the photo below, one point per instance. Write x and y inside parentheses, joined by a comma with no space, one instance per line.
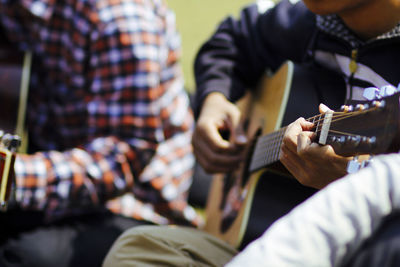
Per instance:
(353,206)
(242,49)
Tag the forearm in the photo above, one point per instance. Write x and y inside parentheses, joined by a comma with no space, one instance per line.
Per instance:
(75,178)
(227,62)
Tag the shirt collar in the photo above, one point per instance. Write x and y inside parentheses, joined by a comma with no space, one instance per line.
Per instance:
(334,25)
(39,8)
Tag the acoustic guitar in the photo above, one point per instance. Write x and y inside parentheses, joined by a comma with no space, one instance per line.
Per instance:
(363,128)
(14,79)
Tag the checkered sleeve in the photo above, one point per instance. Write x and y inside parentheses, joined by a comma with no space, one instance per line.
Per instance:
(139,125)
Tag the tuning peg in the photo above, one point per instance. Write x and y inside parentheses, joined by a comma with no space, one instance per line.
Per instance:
(371,93)
(387,90)
(379,104)
(11,142)
(341,140)
(371,140)
(347,108)
(360,107)
(368,141)
(353,165)
(354,140)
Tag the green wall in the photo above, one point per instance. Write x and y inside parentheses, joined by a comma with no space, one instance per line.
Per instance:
(196,21)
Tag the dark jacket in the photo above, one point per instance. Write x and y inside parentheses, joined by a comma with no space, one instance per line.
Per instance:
(241,50)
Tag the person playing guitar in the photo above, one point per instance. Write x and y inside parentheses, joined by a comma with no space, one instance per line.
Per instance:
(345,37)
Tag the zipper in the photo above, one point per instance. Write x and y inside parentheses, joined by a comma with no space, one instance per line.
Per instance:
(353,61)
(353,69)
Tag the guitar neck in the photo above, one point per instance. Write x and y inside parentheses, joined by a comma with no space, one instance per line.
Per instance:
(267,147)
(374,130)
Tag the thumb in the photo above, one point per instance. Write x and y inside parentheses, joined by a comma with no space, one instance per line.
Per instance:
(323,108)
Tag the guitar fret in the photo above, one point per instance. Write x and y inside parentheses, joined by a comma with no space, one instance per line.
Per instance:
(267,150)
(319,119)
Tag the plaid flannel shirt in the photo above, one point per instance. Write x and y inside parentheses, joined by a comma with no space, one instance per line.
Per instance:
(108,115)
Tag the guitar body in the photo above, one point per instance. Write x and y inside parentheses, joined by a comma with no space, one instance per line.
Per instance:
(242,205)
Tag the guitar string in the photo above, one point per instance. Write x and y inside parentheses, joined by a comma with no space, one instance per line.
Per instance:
(271,144)
(277,136)
(273,149)
(347,115)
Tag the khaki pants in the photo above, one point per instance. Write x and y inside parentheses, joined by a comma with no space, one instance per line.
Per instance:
(168,246)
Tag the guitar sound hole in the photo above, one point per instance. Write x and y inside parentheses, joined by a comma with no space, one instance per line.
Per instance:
(228,220)
(231,201)
(225,133)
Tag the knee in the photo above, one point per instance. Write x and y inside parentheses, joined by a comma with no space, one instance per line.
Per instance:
(133,247)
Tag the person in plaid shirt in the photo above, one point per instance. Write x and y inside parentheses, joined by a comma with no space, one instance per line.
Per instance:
(109,124)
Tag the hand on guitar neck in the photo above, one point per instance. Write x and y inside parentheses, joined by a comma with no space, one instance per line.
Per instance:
(311,164)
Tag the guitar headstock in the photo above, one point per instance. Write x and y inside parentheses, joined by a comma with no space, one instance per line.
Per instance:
(8,146)
(365,127)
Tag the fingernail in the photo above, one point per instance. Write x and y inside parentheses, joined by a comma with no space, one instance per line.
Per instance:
(241,139)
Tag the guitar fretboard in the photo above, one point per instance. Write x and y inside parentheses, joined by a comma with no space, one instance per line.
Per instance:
(267,148)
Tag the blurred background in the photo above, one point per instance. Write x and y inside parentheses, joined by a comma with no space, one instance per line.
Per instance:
(196,21)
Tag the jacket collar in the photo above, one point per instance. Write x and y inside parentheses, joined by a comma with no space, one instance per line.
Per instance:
(334,25)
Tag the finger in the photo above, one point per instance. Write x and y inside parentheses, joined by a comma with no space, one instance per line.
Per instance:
(212,137)
(299,125)
(238,136)
(290,156)
(290,137)
(202,149)
(304,140)
(208,134)
(213,161)
(323,108)
(317,153)
(291,161)
(306,125)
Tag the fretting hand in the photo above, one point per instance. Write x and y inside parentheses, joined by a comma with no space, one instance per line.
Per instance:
(311,164)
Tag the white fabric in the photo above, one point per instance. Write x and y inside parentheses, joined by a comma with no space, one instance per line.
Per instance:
(326,229)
